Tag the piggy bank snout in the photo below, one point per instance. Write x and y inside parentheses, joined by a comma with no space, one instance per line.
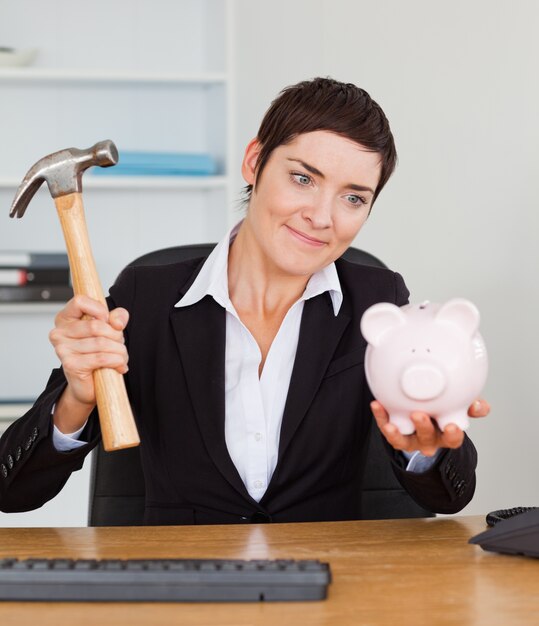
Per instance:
(422,382)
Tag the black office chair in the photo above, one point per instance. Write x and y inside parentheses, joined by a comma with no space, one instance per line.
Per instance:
(117,482)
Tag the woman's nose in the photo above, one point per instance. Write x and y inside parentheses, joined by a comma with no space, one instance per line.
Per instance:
(320,212)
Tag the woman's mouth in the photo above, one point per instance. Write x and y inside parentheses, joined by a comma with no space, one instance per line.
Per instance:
(317,243)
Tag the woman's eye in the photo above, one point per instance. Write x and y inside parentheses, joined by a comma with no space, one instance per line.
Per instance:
(353,199)
(302,179)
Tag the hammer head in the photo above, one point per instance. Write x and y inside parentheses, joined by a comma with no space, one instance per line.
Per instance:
(62,171)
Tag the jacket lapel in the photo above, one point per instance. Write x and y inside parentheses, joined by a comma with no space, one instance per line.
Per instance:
(319,335)
(200,333)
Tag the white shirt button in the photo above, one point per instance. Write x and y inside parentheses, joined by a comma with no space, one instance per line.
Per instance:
(258,484)
(258,436)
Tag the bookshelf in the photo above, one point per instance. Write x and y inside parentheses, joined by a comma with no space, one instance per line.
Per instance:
(150,76)
(33,308)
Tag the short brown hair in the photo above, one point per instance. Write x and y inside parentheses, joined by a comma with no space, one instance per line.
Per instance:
(327,104)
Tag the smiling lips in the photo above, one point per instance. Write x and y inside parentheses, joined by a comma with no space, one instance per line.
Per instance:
(306,239)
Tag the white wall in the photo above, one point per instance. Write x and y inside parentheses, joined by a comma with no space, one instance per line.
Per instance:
(458,82)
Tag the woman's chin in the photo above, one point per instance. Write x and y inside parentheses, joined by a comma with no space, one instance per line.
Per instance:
(294,265)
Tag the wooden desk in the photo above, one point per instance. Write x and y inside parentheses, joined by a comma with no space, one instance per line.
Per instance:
(394,572)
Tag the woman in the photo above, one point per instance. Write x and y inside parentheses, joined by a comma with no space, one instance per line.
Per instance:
(246,368)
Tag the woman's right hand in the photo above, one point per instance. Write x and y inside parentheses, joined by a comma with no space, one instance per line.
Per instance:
(84,345)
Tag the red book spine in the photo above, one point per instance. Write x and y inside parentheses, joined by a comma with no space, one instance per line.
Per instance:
(13,277)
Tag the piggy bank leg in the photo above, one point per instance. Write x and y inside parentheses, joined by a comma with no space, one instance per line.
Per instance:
(460,418)
(403,423)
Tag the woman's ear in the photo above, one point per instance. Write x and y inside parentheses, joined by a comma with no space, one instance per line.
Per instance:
(250,159)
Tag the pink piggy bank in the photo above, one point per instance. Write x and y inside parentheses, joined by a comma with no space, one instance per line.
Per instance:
(425,357)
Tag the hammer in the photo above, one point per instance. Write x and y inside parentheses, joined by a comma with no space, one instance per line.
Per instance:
(63,173)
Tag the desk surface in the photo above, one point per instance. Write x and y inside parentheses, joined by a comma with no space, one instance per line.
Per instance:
(392,572)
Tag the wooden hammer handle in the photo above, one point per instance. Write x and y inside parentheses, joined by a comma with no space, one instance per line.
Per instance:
(115,416)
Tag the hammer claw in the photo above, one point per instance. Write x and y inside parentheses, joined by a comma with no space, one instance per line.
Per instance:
(25,193)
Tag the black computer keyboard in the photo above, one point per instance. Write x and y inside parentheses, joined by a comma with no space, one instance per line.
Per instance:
(162,580)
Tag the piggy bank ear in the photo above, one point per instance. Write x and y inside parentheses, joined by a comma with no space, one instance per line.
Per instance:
(460,312)
(380,318)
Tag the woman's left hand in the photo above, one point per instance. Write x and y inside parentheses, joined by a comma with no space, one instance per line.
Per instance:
(427,437)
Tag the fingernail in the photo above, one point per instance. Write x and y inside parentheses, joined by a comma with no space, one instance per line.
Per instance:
(477,406)
(121,318)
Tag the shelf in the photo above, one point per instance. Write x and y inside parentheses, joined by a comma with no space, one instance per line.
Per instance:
(9,412)
(140,182)
(13,409)
(14,308)
(39,74)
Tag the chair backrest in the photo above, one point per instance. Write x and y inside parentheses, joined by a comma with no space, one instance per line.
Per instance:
(117,482)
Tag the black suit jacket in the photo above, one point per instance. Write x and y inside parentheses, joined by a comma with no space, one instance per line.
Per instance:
(176,385)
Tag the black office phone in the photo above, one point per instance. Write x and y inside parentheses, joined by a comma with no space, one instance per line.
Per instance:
(512,531)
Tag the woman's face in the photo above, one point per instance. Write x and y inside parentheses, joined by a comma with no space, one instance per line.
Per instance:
(311,199)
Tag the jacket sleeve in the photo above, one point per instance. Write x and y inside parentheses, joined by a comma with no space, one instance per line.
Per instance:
(402,295)
(32,471)
(448,486)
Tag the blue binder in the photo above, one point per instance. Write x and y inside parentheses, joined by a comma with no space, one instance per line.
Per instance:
(135,163)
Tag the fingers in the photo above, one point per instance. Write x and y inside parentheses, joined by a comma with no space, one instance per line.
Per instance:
(87,337)
(118,318)
(452,437)
(426,432)
(85,317)
(80,353)
(83,365)
(81,329)
(79,306)
(397,440)
(479,408)
(380,414)
(390,431)
(94,345)
(427,437)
